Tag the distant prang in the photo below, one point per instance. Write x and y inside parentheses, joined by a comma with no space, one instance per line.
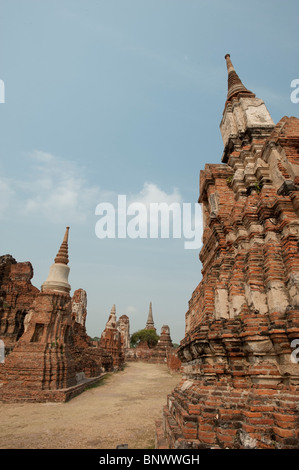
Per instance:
(48,354)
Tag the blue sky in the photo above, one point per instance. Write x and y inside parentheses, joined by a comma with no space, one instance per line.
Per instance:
(125,97)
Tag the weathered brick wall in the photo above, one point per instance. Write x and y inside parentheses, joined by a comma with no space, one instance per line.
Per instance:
(88,359)
(41,359)
(203,415)
(240,386)
(162,353)
(173,362)
(16,296)
(111,341)
(111,344)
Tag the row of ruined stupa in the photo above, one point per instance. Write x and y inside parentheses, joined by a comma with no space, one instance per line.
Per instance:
(58,281)
(48,352)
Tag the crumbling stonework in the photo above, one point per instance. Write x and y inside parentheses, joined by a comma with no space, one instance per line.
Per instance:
(41,361)
(123,325)
(16,295)
(162,353)
(111,340)
(90,361)
(240,385)
(53,355)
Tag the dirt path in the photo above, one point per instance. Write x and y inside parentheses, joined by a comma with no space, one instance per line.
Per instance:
(122,410)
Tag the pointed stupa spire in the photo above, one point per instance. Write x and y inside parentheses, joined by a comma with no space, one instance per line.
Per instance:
(150,322)
(235,85)
(62,255)
(57,280)
(245,117)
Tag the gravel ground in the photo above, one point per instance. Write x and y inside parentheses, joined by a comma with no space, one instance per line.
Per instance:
(121,410)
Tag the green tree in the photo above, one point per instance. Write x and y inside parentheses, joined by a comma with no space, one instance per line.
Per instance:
(142,336)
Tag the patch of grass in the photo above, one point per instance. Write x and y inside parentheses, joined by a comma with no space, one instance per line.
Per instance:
(99,383)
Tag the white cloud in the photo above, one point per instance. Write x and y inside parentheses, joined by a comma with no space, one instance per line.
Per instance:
(57,190)
(52,188)
(151,193)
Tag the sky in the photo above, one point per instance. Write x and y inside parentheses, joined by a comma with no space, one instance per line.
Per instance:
(124,97)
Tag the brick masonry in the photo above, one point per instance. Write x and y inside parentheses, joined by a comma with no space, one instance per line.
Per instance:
(16,296)
(48,354)
(240,386)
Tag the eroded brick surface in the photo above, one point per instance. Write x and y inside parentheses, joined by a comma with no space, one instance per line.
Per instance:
(49,356)
(240,387)
(16,296)
(112,341)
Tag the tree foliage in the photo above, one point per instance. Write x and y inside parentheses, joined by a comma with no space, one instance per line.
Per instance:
(142,336)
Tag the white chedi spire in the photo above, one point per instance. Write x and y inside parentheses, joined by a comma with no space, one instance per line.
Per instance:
(57,280)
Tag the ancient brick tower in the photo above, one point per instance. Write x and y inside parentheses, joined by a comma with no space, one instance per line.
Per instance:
(40,363)
(150,321)
(240,385)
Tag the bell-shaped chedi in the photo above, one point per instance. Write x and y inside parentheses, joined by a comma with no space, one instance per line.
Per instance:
(57,280)
(41,367)
(240,374)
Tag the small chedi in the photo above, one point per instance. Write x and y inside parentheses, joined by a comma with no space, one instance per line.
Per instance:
(162,352)
(48,354)
(240,382)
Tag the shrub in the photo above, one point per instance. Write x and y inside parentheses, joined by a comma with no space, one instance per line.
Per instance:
(142,336)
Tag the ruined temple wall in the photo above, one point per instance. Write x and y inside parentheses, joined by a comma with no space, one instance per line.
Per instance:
(240,386)
(16,296)
(41,359)
(90,360)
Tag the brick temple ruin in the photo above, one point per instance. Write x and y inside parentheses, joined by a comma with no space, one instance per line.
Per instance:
(163,352)
(48,354)
(240,382)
